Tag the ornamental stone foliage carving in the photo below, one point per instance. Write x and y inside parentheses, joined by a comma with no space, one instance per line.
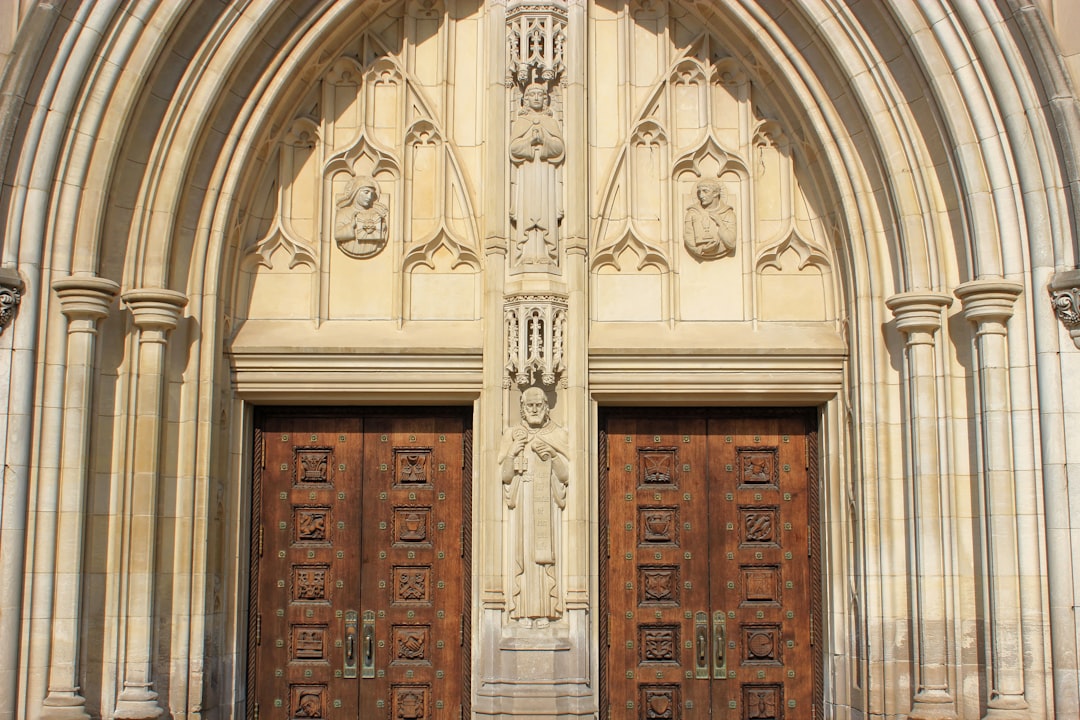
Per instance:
(535,339)
(1065,297)
(11,287)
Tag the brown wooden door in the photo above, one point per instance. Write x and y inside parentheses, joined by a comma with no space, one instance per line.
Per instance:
(710,576)
(359,566)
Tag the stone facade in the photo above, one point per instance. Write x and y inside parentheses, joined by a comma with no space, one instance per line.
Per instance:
(540,211)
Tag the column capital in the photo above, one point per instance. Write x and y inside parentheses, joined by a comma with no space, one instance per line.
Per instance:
(85,299)
(1065,297)
(11,288)
(918,313)
(989,303)
(155,309)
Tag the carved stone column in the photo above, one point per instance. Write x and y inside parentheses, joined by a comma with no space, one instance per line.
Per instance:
(918,316)
(989,305)
(11,287)
(1065,297)
(155,312)
(84,301)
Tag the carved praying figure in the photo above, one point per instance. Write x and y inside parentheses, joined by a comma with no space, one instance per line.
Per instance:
(709,225)
(535,473)
(536,151)
(360,220)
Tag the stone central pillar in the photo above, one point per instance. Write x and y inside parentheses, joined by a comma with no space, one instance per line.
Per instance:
(535,632)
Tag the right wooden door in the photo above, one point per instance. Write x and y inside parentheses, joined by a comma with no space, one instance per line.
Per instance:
(710,576)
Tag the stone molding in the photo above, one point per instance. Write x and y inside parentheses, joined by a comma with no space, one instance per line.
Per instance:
(1064,291)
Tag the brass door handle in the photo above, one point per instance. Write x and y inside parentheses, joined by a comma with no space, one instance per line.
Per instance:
(350,645)
(719,646)
(701,638)
(368,661)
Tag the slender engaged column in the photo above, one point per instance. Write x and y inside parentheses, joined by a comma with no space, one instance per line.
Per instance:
(918,316)
(83,301)
(155,313)
(989,305)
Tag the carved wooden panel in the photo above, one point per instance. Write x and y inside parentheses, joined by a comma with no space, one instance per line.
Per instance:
(359,514)
(708,580)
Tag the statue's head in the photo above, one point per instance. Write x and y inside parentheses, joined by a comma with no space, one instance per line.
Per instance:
(534,407)
(708,191)
(536,96)
(363,190)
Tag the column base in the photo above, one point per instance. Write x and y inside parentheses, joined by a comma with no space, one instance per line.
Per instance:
(138,703)
(1007,707)
(932,705)
(64,705)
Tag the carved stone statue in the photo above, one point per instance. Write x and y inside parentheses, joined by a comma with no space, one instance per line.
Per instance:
(536,151)
(709,225)
(360,220)
(535,468)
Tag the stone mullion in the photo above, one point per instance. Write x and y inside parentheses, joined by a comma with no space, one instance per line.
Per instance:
(989,305)
(155,313)
(84,301)
(918,316)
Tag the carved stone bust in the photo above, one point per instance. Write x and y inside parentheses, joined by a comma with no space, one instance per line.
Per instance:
(709,224)
(360,220)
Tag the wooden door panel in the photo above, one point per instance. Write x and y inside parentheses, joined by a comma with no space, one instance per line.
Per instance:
(359,570)
(412,567)
(735,491)
(763,589)
(658,572)
(308,572)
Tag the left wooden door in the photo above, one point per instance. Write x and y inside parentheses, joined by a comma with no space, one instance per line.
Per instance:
(359,566)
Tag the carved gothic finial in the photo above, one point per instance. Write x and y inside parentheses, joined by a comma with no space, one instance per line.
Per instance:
(535,43)
(535,332)
(1065,297)
(11,287)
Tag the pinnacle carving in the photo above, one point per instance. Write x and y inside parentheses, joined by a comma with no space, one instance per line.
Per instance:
(535,43)
(535,338)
